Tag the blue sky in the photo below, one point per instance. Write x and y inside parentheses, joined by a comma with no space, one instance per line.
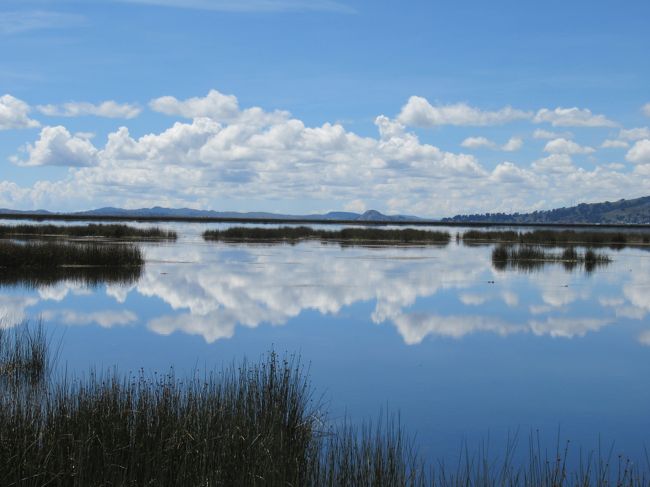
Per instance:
(432,108)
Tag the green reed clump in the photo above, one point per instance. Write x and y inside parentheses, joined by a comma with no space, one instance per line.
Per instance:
(559,237)
(346,235)
(531,257)
(24,353)
(36,277)
(53,254)
(117,231)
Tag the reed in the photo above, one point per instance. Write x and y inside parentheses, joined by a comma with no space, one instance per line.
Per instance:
(24,353)
(55,254)
(114,231)
(559,237)
(254,424)
(532,257)
(346,235)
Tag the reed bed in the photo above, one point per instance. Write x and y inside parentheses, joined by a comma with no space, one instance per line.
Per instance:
(54,254)
(255,424)
(346,235)
(559,238)
(31,278)
(532,257)
(114,231)
(24,353)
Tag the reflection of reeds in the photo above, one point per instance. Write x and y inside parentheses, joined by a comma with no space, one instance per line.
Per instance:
(531,257)
(53,254)
(614,240)
(85,276)
(346,235)
(117,231)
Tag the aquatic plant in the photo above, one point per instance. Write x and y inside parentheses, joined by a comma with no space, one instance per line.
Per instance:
(115,231)
(24,350)
(531,257)
(345,235)
(54,254)
(613,239)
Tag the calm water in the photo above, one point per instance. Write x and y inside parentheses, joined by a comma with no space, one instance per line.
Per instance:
(462,351)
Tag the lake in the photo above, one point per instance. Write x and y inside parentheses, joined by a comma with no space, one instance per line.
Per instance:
(464,352)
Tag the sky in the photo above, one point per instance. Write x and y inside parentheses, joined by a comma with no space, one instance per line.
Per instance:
(429,108)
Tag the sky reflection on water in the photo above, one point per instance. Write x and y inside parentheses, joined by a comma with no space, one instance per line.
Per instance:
(459,348)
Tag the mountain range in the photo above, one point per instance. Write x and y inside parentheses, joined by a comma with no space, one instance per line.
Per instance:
(632,211)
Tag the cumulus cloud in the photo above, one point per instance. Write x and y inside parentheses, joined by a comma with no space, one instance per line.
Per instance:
(105,319)
(108,109)
(564,146)
(640,152)
(635,133)
(14,114)
(513,144)
(214,105)
(250,157)
(477,143)
(418,112)
(57,147)
(548,134)
(572,117)
(614,144)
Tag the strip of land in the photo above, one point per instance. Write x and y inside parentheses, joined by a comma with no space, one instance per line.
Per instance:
(559,237)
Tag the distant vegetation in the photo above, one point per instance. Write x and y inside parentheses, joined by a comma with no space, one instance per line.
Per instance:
(116,231)
(253,424)
(346,235)
(559,237)
(634,211)
(530,257)
(55,254)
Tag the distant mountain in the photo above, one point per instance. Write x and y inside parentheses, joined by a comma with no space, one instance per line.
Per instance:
(634,211)
(160,212)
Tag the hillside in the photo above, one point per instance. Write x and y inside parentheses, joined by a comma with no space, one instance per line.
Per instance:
(634,211)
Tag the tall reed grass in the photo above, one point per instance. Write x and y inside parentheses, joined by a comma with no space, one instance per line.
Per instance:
(53,254)
(559,237)
(255,424)
(116,231)
(532,257)
(346,235)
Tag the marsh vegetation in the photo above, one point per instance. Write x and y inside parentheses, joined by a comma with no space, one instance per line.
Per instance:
(559,237)
(347,235)
(112,231)
(531,257)
(253,423)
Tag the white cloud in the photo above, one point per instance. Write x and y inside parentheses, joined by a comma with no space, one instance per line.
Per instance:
(635,133)
(513,144)
(477,143)
(640,152)
(555,164)
(564,146)
(418,112)
(646,109)
(357,206)
(251,5)
(23,21)
(14,114)
(108,109)
(614,144)
(572,117)
(57,147)
(215,105)
(547,134)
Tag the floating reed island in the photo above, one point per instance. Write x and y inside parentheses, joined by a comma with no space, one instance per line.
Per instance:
(251,424)
(345,236)
(531,257)
(113,231)
(559,238)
